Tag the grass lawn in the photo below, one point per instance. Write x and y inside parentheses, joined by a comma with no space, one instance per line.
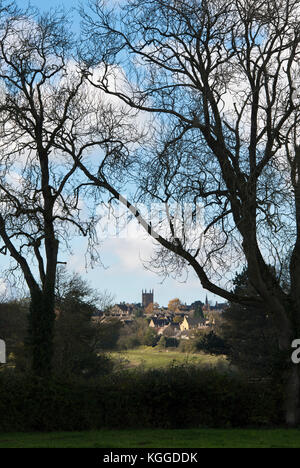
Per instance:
(154,357)
(159,438)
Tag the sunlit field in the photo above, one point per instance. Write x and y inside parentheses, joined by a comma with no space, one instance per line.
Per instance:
(149,357)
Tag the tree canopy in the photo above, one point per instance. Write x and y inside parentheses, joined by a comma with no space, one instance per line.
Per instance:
(220,80)
(49,122)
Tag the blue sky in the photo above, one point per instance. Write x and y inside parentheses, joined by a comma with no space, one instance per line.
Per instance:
(123,274)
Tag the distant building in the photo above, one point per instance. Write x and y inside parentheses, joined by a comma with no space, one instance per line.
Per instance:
(147,298)
(191,323)
(121,311)
(206,307)
(220,307)
(158,322)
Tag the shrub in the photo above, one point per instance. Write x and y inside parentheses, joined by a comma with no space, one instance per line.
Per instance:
(150,337)
(172,342)
(162,342)
(128,342)
(187,346)
(211,343)
(180,396)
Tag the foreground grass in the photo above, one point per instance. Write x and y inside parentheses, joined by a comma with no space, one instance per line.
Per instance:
(159,438)
(150,357)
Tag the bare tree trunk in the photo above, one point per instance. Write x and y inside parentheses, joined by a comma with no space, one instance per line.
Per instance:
(41,329)
(291,378)
(291,404)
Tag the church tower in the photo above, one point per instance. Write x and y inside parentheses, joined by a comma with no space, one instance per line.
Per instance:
(147,298)
(206,307)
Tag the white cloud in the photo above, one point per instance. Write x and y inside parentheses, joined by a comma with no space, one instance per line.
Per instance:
(3,287)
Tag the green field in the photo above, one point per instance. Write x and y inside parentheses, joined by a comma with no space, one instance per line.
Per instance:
(185,438)
(150,357)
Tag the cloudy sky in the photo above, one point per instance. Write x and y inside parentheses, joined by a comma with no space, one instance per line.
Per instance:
(122,272)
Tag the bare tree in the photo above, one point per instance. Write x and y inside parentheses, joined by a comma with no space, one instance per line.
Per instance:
(221,79)
(49,121)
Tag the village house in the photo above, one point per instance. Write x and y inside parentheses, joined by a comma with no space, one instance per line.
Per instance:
(158,322)
(190,323)
(121,310)
(177,323)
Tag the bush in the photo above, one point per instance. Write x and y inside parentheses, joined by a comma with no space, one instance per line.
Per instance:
(128,342)
(162,342)
(136,334)
(211,343)
(150,338)
(28,403)
(172,342)
(167,342)
(180,396)
(187,346)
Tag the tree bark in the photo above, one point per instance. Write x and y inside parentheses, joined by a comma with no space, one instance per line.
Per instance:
(291,404)
(291,376)
(41,329)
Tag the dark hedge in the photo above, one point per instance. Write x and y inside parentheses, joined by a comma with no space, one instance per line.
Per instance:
(177,397)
